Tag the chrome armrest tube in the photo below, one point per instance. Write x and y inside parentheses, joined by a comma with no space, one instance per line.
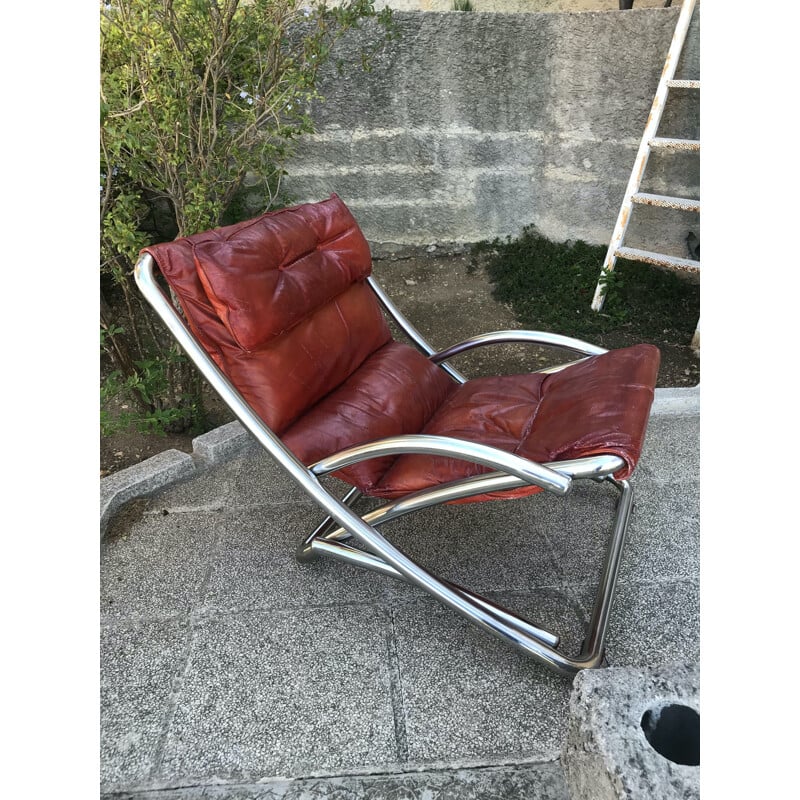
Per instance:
(521,337)
(594,467)
(527,471)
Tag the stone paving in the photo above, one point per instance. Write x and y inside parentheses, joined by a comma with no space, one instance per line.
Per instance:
(230,671)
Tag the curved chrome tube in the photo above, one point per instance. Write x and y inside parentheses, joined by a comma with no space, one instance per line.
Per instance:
(528,471)
(593,467)
(595,640)
(525,337)
(155,295)
(419,340)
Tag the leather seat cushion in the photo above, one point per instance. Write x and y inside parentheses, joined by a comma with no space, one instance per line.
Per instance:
(600,405)
(396,391)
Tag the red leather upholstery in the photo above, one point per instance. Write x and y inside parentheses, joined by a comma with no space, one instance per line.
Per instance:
(281,305)
(600,405)
(282,341)
(396,391)
(266,276)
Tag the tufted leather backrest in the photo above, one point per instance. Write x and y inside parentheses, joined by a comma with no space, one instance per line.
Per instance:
(280,303)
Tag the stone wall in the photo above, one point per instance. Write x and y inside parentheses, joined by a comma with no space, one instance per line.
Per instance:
(471,126)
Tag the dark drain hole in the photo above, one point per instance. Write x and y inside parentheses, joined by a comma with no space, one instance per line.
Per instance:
(674,732)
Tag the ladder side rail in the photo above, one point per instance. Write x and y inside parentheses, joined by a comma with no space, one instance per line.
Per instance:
(643,153)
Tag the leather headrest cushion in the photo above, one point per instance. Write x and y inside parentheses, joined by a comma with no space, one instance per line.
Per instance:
(267,276)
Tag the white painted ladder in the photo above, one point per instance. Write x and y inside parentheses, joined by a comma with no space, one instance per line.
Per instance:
(651,141)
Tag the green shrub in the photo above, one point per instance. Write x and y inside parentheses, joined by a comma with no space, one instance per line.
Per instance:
(195,94)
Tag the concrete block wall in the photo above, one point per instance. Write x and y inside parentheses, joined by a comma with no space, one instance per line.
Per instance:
(472,126)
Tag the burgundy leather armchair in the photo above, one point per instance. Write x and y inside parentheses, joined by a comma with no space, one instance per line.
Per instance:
(283,317)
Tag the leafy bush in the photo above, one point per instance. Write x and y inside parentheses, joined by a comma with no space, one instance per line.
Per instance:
(195,95)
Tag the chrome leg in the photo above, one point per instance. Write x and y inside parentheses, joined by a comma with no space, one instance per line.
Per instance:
(536,642)
(594,642)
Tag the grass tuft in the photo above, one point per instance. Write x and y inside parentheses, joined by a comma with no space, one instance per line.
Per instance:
(550,286)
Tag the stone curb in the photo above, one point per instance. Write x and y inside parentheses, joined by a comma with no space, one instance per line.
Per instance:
(676,401)
(171,466)
(223,443)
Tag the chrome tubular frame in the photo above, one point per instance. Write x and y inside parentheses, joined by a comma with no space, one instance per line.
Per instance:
(379,554)
(542,338)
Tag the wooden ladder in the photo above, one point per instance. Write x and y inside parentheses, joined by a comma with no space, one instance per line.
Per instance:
(651,141)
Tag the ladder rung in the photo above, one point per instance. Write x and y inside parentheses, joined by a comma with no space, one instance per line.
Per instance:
(661,143)
(662,260)
(681,84)
(678,203)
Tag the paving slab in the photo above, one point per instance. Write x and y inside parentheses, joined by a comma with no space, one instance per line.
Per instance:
(485,546)
(663,539)
(671,451)
(654,623)
(138,665)
(280,694)
(146,652)
(255,566)
(466,695)
(154,565)
(132,720)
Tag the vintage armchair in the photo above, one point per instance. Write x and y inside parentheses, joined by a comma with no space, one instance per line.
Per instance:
(285,321)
